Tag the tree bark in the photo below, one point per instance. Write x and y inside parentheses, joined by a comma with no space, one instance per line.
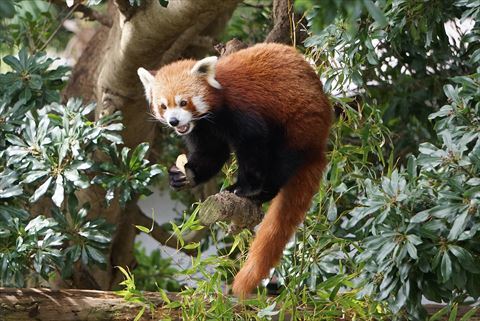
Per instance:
(286,24)
(82,305)
(240,212)
(147,36)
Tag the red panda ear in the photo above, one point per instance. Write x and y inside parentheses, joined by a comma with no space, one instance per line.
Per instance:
(206,68)
(147,79)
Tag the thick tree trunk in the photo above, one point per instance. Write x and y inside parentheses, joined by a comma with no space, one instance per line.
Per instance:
(147,36)
(82,305)
(287,25)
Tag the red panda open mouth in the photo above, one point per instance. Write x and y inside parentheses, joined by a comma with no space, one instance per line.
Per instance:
(183,129)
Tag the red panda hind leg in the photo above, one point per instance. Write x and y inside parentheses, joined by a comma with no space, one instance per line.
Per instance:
(285,213)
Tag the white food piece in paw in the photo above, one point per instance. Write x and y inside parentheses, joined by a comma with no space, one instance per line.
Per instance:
(181,162)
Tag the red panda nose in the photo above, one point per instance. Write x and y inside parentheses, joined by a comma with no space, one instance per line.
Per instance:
(173,121)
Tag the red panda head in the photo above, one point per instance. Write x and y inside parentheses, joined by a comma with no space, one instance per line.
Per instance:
(182,92)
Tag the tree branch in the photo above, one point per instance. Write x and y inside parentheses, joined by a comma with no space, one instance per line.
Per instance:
(95,15)
(230,47)
(82,305)
(225,206)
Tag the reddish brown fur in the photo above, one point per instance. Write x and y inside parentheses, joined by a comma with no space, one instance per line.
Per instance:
(274,81)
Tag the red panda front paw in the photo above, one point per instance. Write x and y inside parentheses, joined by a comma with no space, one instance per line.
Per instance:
(242,191)
(178,180)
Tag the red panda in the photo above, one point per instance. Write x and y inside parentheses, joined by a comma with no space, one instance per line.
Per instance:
(266,104)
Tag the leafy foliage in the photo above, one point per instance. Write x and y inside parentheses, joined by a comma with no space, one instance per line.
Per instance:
(127,173)
(32,24)
(48,152)
(396,55)
(251,22)
(154,272)
(31,80)
(419,225)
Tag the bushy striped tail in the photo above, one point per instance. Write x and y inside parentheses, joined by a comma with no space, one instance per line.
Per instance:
(285,213)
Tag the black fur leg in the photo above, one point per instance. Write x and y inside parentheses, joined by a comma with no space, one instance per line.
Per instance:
(253,159)
(282,167)
(207,154)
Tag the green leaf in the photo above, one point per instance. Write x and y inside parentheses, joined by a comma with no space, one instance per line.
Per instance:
(465,258)
(443,211)
(446,267)
(191,246)
(412,250)
(59,193)
(138,155)
(268,311)
(95,254)
(23,58)
(439,314)
(385,251)
(36,82)
(41,190)
(143,229)
(7,9)
(420,217)
(376,13)
(139,314)
(412,167)
(450,92)
(34,175)
(93,2)
(444,111)
(372,58)
(453,313)
(14,63)
(332,210)
(467,316)
(11,192)
(458,226)
(15,140)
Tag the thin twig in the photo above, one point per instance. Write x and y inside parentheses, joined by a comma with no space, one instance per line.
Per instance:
(59,27)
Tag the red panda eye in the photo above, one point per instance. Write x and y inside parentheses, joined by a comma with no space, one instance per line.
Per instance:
(163,106)
(183,103)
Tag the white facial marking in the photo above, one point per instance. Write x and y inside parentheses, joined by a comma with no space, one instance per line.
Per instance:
(156,113)
(200,105)
(164,101)
(183,116)
(157,106)
(178,99)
